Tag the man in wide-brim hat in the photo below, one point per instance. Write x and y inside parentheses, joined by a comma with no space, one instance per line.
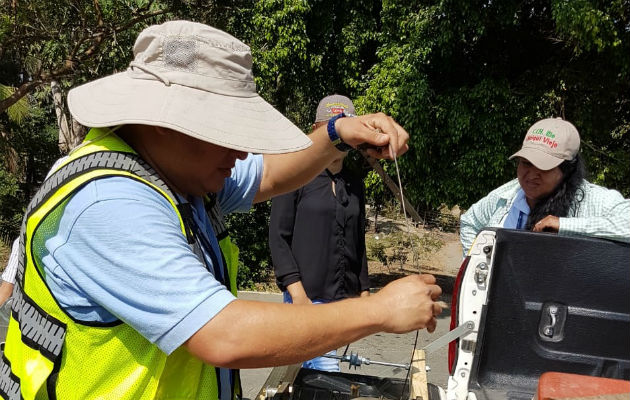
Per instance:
(123,291)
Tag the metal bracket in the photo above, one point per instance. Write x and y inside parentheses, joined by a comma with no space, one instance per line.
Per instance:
(279,384)
(461,331)
(481,273)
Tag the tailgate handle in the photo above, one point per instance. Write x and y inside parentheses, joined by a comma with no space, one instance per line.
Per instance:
(551,327)
(548,330)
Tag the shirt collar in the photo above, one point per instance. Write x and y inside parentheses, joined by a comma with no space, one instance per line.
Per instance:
(520,202)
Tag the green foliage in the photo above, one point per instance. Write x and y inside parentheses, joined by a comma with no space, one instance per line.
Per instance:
(465,78)
(376,251)
(375,192)
(589,25)
(19,110)
(32,148)
(9,218)
(250,233)
(305,50)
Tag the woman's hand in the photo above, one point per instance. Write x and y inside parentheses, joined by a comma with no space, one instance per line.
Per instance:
(550,223)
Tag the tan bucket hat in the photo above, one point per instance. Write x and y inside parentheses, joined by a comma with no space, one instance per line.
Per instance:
(194,79)
(549,142)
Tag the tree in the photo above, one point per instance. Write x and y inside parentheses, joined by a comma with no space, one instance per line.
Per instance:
(52,40)
(466,79)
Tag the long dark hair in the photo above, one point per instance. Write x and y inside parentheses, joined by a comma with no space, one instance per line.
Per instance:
(567,195)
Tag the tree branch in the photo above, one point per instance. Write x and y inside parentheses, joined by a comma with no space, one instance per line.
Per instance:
(73,59)
(20,92)
(599,151)
(392,187)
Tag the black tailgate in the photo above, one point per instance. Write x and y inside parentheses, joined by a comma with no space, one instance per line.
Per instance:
(584,282)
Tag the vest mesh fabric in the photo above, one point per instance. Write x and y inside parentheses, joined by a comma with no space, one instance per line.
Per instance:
(68,359)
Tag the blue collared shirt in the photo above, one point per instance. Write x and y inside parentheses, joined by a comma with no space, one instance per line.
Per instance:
(517,216)
(119,254)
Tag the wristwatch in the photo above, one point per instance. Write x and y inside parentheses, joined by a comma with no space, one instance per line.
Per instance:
(334,137)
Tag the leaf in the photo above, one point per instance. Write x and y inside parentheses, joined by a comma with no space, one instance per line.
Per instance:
(20,109)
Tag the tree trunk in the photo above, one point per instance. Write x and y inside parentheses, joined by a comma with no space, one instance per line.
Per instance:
(11,158)
(62,121)
(78,133)
(70,134)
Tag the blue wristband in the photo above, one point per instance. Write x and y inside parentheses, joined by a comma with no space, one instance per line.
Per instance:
(334,137)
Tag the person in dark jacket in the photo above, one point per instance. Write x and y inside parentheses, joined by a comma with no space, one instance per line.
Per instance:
(317,234)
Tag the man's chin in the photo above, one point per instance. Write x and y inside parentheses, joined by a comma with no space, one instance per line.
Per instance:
(216,187)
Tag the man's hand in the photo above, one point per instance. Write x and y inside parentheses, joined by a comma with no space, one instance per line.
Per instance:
(379,130)
(286,334)
(283,173)
(550,223)
(408,304)
(6,289)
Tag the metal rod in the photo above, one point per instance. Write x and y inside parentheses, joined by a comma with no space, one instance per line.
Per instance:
(356,361)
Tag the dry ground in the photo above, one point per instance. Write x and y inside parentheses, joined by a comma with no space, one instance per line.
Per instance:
(4,254)
(442,258)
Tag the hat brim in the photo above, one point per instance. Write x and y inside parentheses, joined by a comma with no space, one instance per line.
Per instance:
(242,123)
(540,159)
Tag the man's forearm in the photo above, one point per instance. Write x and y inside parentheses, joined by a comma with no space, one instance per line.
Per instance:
(283,173)
(265,334)
(247,334)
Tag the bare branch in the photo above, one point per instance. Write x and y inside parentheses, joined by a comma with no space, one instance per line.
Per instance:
(22,91)
(140,18)
(600,151)
(99,13)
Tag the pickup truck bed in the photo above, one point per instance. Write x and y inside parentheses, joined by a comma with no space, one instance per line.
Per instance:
(551,304)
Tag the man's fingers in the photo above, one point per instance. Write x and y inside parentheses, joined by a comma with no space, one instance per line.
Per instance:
(383,136)
(397,136)
(428,278)
(436,291)
(437,309)
(442,304)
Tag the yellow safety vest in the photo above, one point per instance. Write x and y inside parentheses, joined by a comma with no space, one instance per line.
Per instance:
(48,354)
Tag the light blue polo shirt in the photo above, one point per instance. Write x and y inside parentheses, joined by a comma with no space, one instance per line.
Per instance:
(119,253)
(519,212)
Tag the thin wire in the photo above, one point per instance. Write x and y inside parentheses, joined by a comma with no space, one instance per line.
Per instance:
(402,201)
(415,343)
(402,196)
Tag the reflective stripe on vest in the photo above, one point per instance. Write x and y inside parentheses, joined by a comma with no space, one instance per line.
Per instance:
(41,335)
